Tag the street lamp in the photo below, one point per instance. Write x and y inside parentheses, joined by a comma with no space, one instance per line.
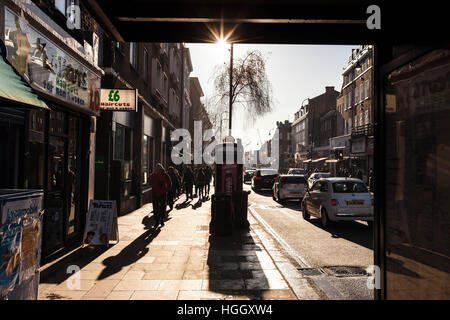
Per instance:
(231,88)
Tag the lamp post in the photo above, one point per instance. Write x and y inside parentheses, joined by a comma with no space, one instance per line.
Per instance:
(231,88)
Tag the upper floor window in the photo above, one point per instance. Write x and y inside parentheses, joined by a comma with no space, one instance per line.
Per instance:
(134,54)
(367,89)
(145,71)
(63,5)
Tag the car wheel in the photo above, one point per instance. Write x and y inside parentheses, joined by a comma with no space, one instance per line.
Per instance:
(305,213)
(324,218)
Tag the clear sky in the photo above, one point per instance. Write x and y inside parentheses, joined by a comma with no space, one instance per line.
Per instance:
(296,72)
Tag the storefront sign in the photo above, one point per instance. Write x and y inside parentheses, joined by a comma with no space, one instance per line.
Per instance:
(359,145)
(101,225)
(118,99)
(47,67)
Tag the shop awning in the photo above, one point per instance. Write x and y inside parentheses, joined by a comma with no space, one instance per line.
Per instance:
(307,160)
(15,88)
(332,160)
(320,159)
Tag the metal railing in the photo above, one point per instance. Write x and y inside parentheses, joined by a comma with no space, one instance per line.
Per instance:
(366,130)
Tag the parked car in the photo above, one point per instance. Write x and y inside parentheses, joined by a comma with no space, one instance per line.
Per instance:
(316,176)
(248,174)
(297,171)
(338,199)
(264,179)
(289,186)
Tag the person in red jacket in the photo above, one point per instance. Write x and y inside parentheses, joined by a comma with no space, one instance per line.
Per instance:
(161,184)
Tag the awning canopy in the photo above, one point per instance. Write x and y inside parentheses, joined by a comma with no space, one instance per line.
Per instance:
(332,160)
(320,159)
(307,160)
(15,88)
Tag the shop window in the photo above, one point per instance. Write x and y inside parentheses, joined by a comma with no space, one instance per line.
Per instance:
(34,178)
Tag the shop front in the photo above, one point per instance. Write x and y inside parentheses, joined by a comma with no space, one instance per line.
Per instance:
(57,142)
(359,159)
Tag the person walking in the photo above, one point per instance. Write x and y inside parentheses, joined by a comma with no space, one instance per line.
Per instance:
(173,190)
(161,184)
(208,178)
(201,183)
(188,182)
(371,181)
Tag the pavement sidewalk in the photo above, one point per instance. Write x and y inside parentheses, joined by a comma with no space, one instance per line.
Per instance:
(179,261)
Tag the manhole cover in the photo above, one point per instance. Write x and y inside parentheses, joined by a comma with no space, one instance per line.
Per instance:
(310,271)
(344,271)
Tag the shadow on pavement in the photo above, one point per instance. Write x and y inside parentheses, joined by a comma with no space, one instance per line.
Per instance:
(234,266)
(57,272)
(353,231)
(130,254)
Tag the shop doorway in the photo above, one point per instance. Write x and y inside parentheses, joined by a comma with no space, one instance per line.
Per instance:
(62,225)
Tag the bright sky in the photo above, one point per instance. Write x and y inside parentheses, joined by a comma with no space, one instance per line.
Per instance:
(296,72)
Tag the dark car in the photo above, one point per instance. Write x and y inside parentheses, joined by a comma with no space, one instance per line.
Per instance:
(248,175)
(264,179)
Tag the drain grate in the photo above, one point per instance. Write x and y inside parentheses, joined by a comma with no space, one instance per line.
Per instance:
(346,271)
(310,271)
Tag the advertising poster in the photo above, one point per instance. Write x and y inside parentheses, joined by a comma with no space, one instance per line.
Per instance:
(30,249)
(10,255)
(101,225)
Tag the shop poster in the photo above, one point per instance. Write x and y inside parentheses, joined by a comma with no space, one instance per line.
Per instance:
(10,256)
(101,225)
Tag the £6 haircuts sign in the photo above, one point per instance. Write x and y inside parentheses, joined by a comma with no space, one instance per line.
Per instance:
(118,99)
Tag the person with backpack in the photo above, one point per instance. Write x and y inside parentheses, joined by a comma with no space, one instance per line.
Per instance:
(161,185)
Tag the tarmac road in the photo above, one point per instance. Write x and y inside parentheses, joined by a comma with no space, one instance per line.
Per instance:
(343,244)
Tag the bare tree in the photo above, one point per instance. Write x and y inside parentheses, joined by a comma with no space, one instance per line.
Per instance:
(251,88)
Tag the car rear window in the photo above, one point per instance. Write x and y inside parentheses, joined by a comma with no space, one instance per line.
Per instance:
(293,180)
(297,172)
(321,175)
(349,187)
(268,172)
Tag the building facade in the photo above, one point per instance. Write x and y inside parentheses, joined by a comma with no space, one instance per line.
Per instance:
(53,148)
(133,142)
(357,110)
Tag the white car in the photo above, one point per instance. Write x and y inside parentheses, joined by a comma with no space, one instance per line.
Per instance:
(315,176)
(338,199)
(289,186)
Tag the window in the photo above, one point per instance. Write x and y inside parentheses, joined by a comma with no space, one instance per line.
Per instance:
(356,95)
(349,187)
(281,135)
(123,141)
(355,120)
(145,71)
(63,5)
(345,102)
(134,54)
(350,100)
(367,89)
(361,92)
(119,45)
(361,119)
(367,117)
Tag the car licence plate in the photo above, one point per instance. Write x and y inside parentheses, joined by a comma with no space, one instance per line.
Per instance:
(355,202)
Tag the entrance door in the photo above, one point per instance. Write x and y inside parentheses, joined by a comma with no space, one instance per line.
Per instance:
(62,225)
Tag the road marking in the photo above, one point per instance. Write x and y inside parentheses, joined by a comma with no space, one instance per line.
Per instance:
(302,262)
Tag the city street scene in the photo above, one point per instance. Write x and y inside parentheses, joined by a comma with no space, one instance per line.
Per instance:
(170,166)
